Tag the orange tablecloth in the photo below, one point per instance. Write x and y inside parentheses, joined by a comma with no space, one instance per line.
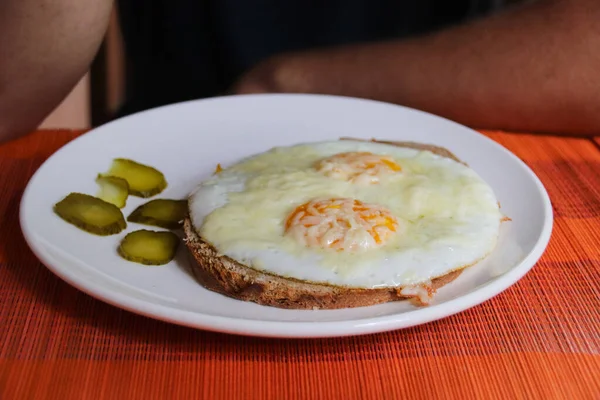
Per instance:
(539,339)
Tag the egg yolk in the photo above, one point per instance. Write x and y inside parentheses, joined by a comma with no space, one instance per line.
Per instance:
(358,167)
(341,224)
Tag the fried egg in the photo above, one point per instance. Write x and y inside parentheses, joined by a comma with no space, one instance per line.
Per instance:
(348,213)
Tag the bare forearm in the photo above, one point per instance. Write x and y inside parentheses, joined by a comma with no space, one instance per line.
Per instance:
(46,46)
(534,68)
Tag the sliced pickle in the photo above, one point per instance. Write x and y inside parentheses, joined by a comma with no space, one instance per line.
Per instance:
(143,180)
(149,247)
(113,190)
(164,213)
(91,214)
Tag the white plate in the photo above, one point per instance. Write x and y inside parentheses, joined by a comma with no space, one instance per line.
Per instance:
(185,141)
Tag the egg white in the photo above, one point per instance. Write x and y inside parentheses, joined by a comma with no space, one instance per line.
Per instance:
(449,217)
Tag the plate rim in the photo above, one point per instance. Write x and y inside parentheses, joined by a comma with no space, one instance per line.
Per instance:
(294,329)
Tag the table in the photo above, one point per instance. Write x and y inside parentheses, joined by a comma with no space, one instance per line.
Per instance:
(538,339)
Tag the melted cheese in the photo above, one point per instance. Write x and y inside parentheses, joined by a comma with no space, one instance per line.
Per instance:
(448,217)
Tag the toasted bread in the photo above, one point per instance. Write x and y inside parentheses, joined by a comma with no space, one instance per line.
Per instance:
(227,276)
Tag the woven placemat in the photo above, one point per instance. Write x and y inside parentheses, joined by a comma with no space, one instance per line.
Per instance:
(538,339)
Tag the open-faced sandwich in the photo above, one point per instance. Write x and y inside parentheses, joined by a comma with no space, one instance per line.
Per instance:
(340,224)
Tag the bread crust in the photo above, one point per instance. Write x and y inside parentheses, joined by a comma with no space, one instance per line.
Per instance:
(222,274)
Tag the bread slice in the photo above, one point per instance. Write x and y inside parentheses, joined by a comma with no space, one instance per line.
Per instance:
(227,276)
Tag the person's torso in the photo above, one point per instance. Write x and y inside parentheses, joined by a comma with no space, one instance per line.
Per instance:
(185,49)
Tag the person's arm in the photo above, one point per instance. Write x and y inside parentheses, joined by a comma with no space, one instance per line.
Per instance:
(46,46)
(534,67)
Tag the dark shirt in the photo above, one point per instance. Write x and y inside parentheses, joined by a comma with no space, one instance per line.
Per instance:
(187,49)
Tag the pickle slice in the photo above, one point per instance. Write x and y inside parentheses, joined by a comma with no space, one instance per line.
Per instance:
(113,190)
(164,213)
(91,214)
(149,247)
(143,180)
